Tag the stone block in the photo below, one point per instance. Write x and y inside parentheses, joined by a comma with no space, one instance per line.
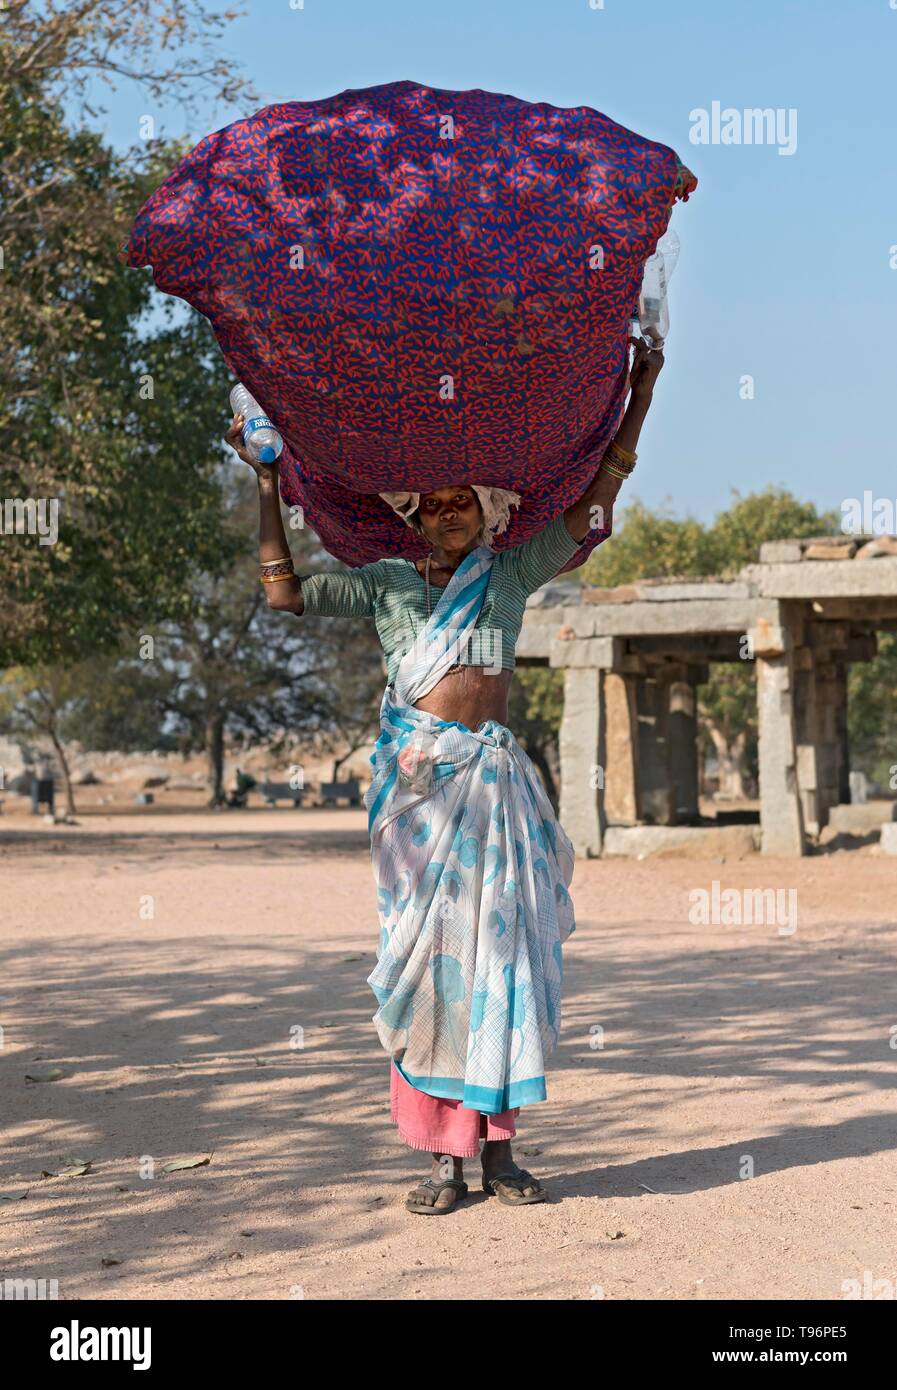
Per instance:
(882,545)
(860,819)
(824,579)
(780,552)
(603,653)
(682,841)
(769,639)
(830,550)
(859,789)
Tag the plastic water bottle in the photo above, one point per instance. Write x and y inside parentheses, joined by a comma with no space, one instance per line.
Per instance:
(261,440)
(653,310)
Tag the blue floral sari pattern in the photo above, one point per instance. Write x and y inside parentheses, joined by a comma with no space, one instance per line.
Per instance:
(472,871)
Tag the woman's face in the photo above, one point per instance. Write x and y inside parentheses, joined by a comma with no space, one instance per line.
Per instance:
(451,517)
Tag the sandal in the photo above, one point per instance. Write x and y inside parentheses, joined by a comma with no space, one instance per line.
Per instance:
(516,1182)
(431,1209)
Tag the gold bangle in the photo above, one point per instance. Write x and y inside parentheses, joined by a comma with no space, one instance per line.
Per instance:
(612,457)
(283,560)
(277,578)
(625,454)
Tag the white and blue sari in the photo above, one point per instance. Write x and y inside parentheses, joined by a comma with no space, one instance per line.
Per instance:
(472,870)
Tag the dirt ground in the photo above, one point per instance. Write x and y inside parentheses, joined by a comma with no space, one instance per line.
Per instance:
(165,963)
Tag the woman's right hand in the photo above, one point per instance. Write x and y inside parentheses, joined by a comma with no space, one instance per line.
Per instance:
(647,364)
(234,438)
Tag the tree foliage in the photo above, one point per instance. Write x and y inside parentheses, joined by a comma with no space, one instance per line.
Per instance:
(226,671)
(653,543)
(102,419)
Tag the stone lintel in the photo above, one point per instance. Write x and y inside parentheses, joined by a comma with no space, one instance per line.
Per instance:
(675,618)
(823,579)
(699,591)
(536,637)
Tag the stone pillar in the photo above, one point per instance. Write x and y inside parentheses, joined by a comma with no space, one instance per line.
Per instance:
(581,746)
(842,740)
(654,779)
(820,684)
(781,813)
(621,804)
(683,733)
(829,694)
(808,737)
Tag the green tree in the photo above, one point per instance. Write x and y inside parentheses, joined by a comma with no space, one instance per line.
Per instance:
(650,544)
(774,514)
(228,670)
(40,703)
(872,713)
(99,418)
(535,707)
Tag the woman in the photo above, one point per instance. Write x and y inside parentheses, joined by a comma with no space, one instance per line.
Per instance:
(471,865)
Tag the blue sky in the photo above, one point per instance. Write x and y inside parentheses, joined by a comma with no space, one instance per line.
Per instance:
(785,270)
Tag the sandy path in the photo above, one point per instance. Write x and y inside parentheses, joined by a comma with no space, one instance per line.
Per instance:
(720,1044)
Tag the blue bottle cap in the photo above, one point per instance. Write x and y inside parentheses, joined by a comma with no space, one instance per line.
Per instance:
(267,454)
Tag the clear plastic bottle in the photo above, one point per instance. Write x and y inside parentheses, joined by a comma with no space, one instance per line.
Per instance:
(653,310)
(262,441)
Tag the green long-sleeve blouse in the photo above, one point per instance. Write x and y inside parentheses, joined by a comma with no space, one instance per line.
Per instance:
(394,594)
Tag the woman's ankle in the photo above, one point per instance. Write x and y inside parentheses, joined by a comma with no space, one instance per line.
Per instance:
(447,1166)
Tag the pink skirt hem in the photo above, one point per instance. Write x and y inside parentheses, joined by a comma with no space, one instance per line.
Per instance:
(443,1126)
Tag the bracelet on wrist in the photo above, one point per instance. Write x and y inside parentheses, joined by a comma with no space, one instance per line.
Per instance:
(272,571)
(624,455)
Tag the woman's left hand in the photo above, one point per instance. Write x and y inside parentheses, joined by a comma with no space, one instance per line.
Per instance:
(646,367)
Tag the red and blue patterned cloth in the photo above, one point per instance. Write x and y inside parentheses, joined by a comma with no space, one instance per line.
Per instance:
(420,287)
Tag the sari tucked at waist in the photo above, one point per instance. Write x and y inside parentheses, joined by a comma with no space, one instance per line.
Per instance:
(472,870)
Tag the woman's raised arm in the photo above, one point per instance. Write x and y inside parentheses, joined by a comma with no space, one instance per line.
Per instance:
(595,508)
(283,587)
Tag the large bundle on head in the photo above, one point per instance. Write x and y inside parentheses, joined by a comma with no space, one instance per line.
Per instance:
(420,288)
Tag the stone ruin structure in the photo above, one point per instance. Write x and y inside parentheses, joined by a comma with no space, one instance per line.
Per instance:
(633,656)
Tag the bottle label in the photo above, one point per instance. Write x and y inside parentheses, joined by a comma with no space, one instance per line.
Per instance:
(261,422)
